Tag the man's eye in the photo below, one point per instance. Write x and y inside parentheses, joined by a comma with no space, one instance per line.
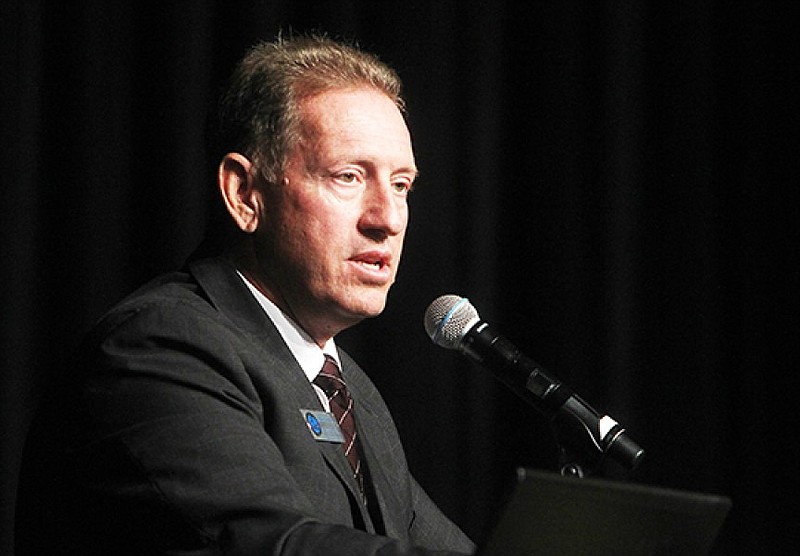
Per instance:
(402,186)
(347,177)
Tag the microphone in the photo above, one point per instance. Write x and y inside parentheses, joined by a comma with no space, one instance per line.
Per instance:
(453,323)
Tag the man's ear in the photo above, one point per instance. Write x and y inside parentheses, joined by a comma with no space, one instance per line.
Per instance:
(237,185)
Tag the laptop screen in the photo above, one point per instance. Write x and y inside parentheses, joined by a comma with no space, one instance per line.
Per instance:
(551,514)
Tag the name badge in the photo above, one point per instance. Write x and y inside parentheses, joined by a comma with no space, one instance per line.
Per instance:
(323,425)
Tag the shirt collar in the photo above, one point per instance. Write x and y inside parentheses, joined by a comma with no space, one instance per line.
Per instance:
(305,350)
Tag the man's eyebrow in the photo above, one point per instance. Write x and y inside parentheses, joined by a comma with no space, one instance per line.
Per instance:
(414,178)
(413,170)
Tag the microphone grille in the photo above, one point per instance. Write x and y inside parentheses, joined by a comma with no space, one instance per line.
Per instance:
(448,318)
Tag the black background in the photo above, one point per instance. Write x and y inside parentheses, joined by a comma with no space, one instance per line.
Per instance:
(610,183)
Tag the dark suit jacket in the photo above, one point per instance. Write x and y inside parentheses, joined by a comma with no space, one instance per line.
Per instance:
(179,432)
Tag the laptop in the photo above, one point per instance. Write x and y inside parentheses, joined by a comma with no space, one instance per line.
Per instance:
(551,514)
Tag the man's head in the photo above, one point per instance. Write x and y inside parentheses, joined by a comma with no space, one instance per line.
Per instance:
(259,113)
(318,182)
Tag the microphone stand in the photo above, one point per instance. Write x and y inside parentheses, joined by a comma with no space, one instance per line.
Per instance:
(585,439)
(579,455)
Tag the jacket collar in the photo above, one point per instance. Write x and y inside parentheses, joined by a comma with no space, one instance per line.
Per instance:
(228,293)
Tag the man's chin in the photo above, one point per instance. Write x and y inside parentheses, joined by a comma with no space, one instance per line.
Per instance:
(366,306)
(369,312)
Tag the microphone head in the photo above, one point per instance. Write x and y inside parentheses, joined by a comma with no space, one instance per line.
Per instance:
(448,318)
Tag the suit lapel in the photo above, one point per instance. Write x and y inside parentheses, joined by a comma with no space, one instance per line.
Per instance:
(381,487)
(375,450)
(228,293)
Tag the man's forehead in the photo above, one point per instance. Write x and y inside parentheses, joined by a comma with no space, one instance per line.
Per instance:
(364,118)
(331,106)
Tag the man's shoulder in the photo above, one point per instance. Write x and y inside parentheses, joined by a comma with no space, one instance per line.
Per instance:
(165,302)
(165,293)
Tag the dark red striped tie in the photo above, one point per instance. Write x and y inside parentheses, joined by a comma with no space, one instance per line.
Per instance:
(330,380)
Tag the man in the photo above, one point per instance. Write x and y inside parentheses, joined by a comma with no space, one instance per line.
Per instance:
(192,422)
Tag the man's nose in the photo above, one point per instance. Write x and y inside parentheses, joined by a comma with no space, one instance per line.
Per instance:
(385,210)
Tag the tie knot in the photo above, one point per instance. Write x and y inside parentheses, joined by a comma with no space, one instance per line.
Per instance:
(330,378)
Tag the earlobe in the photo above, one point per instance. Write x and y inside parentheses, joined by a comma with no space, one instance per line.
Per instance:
(238,188)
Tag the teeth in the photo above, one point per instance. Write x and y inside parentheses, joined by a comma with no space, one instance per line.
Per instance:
(375,264)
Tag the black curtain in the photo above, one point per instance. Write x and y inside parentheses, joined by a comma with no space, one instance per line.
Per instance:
(610,183)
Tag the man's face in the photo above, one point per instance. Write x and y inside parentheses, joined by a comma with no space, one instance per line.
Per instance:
(332,233)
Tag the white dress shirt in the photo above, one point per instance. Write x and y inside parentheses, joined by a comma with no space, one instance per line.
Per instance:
(305,350)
